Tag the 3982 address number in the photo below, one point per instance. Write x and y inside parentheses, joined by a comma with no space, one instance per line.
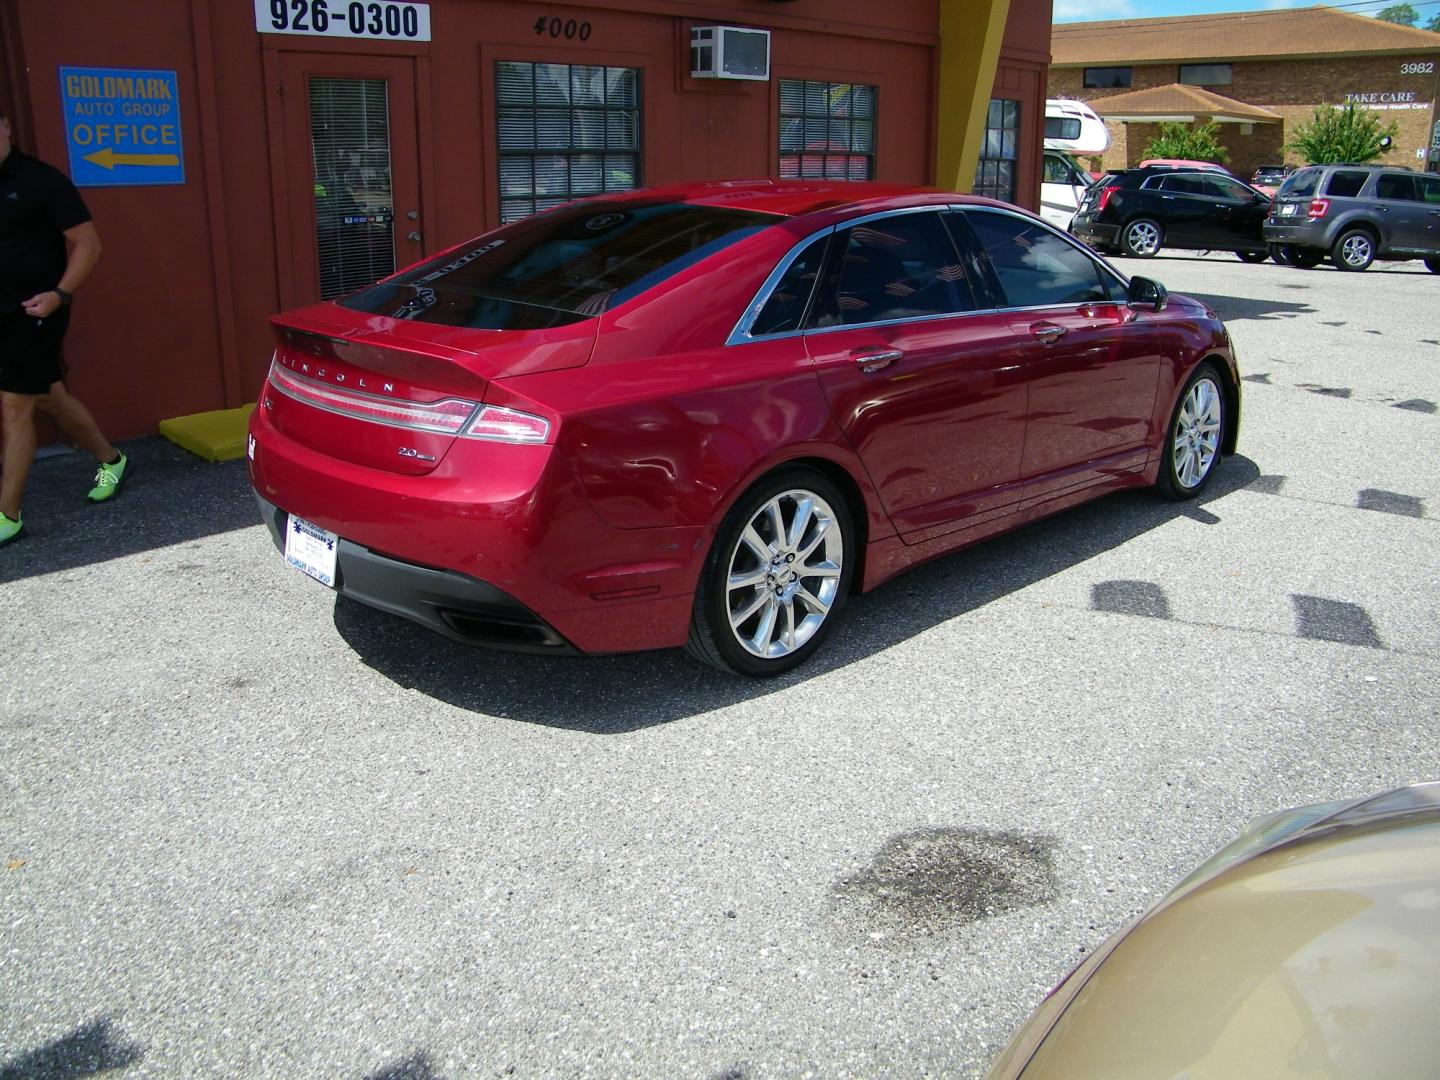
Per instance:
(1427,68)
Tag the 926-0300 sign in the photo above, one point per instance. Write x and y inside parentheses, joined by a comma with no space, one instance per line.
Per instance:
(381,19)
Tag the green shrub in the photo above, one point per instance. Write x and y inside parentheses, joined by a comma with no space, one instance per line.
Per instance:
(1193,144)
(1341,134)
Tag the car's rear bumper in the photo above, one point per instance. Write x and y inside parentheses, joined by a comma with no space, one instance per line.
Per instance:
(1305,232)
(452,604)
(494,548)
(1094,233)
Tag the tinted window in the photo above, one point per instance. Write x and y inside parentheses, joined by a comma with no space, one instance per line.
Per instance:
(559,267)
(1104,78)
(1059,171)
(899,267)
(785,310)
(1035,267)
(1205,74)
(1062,127)
(1429,188)
(1345,183)
(1395,186)
(1303,182)
(1186,185)
(1225,188)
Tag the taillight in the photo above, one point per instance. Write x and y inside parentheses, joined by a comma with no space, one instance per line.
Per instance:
(451,416)
(1105,195)
(508,425)
(1319,207)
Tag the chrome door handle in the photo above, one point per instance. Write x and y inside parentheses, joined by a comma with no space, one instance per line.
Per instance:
(413,236)
(873,362)
(1048,335)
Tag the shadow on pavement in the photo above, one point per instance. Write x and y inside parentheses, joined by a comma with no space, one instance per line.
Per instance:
(607,695)
(1235,308)
(90,1049)
(171,497)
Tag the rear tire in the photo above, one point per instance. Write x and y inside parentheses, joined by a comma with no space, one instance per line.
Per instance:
(1191,451)
(1252,256)
(1433,265)
(1354,250)
(1142,238)
(776,576)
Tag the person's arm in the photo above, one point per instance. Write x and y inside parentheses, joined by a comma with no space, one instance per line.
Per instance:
(82,247)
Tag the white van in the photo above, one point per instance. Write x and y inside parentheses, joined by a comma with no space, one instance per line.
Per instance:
(1071,127)
(1062,187)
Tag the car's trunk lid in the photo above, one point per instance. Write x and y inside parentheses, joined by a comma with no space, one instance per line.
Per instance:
(393,394)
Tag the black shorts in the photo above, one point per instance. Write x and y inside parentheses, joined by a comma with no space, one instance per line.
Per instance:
(30,351)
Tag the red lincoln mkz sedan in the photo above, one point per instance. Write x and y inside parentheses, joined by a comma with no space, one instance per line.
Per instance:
(703,415)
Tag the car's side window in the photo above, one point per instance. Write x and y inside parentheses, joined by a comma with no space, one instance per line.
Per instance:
(1395,186)
(1225,188)
(1345,183)
(784,311)
(899,267)
(1429,189)
(1186,185)
(1034,266)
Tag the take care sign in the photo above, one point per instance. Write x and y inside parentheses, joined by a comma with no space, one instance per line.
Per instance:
(122,126)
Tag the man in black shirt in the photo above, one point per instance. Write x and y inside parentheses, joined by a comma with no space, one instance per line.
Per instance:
(48,245)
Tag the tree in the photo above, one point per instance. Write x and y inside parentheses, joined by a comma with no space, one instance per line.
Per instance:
(1402,13)
(1343,134)
(1193,144)
(1434,25)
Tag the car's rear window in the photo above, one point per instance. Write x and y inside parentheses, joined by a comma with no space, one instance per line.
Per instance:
(1303,182)
(1345,183)
(558,268)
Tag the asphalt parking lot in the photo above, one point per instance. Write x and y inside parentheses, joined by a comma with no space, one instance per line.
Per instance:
(248,830)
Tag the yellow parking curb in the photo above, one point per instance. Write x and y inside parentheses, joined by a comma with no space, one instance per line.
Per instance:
(215,436)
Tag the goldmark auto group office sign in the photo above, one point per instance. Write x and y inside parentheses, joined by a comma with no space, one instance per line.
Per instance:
(122,126)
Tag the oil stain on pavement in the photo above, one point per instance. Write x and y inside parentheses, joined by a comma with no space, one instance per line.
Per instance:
(932,880)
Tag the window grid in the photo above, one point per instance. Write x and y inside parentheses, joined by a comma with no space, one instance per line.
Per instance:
(995,171)
(566,131)
(827,130)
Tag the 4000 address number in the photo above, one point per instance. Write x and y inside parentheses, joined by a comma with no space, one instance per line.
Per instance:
(382,19)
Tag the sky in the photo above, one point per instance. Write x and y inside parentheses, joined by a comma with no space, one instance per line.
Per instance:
(1086,10)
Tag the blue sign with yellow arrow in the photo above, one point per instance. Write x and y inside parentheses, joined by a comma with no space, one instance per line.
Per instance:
(122,126)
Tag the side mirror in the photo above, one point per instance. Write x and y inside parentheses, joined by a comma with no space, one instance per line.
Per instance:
(1145,293)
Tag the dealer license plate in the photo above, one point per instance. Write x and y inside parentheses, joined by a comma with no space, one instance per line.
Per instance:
(1289,210)
(311,549)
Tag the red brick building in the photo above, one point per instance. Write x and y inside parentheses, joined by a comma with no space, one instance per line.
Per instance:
(280,152)
(1258,73)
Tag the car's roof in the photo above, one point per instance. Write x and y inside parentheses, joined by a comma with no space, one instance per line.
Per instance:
(791,198)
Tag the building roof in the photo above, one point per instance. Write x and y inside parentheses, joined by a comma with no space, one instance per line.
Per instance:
(1177,102)
(1241,35)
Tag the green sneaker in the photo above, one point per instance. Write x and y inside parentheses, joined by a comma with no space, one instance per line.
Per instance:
(9,527)
(107,480)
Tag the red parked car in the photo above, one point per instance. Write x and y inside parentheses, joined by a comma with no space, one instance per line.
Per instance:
(703,415)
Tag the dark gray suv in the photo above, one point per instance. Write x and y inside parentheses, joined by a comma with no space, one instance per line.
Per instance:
(1355,214)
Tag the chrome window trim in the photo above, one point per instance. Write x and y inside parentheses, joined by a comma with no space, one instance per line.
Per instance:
(1105,267)
(741,333)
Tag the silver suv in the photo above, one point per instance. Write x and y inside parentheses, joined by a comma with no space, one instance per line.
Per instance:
(1355,214)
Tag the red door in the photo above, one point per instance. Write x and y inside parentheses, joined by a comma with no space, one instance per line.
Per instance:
(932,398)
(350,208)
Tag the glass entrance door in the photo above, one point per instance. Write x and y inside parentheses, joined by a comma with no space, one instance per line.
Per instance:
(351,171)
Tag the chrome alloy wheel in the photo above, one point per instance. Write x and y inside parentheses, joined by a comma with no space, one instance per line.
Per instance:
(1356,250)
(1197,434)
(1143,238)
(784,574)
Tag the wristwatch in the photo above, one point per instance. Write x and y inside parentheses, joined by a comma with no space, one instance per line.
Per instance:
(65,297)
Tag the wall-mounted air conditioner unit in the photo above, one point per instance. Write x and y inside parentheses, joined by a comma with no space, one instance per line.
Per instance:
(729,52)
